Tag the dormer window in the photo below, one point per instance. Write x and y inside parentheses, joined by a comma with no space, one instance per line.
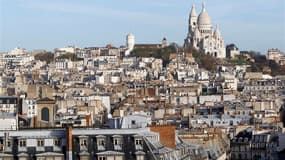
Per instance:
(22,143)
(40,143)
(9,143)
(102,158)
(101,141)
(115,142)
(83,142)
(138,142)
(57,142)
(118,142)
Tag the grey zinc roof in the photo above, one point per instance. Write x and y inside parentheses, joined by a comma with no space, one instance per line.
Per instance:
(5,155)
(84,153)
(50,154)
(110,153)
(23,155)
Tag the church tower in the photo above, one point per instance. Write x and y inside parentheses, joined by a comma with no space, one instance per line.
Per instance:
(192,21)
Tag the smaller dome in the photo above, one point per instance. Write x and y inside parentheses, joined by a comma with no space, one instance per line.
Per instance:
(217,33)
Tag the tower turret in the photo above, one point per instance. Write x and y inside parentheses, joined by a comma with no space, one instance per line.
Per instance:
(192,21)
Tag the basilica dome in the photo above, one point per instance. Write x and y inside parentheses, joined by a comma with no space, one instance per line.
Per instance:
(204,18)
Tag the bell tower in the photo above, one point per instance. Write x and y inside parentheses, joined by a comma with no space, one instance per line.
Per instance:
(192,21)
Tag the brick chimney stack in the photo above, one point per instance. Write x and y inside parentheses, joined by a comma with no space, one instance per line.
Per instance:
(69,142)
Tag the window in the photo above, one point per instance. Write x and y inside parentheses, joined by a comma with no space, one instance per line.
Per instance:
(138,142)
(133,122)
(22,143)
(9,143)
(57,142)
(102,158)
(45,114)
(84,142)
(40,143)
(116,142)
(101,142)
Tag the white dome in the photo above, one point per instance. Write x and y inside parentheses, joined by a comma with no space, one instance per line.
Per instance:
(204,18)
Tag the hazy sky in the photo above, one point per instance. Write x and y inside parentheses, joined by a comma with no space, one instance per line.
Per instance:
(48,24)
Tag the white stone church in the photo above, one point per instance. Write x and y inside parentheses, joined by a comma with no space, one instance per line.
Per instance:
(202,37)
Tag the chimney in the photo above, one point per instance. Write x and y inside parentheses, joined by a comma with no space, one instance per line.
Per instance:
(88,118)
(34,122)
(69,142)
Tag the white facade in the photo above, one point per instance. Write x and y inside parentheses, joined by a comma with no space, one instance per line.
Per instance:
(69,49)
(61,64)
(277,56)
(202,37)
(105,99)
(8,122)
(130,44)
(30,107)
(17,57)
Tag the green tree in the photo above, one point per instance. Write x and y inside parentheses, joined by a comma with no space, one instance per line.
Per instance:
(45,56)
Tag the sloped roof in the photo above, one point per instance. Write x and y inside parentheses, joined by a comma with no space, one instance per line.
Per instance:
(110,153)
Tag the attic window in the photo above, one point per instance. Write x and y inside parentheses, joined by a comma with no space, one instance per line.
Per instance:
(102,158)
(84,142)
(138,142)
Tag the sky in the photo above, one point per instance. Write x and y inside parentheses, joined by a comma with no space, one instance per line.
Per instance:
(47,24)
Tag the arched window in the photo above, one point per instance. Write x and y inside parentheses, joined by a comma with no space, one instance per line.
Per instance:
(45,114)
